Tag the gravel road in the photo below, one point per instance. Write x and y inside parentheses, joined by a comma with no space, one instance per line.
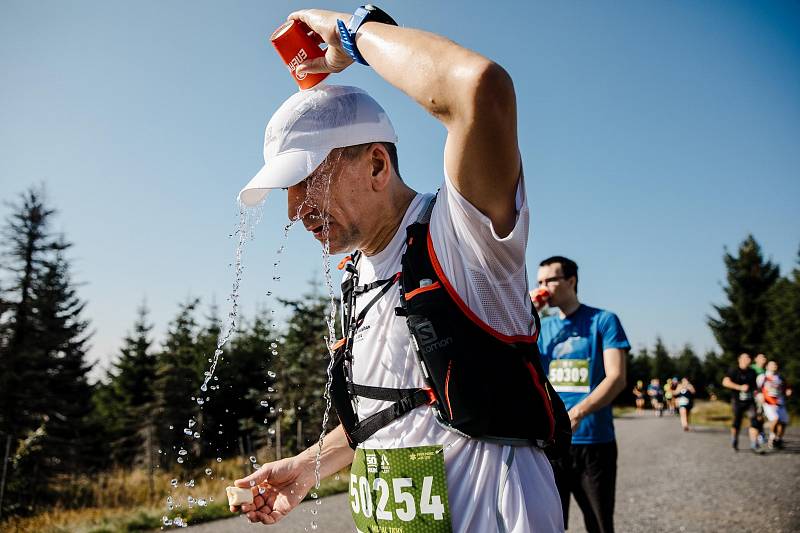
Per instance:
(668,481)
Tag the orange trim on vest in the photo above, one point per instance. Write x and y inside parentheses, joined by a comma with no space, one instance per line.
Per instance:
(529,339)
(338,344)
(343,262)
(432,287)
(431,396)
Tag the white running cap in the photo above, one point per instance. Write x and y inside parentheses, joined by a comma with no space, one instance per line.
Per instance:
(304,130)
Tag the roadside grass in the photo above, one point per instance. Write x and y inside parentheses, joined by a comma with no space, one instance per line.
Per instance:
(709,413)
(121,501)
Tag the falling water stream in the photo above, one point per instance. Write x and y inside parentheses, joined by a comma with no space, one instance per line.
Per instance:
(317,198)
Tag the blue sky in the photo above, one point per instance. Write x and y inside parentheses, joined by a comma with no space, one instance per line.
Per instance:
(653,135)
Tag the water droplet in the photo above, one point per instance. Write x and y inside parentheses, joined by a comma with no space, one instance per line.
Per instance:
(318,502)
(166,521)
(271,431)
(252,458)
(190,500)
(216,378)
(271,374)
(187,431)
(274,352)
(189,483)
(313,525)
(203,387)
(252,483)
(174,482)
(337,477)
(264,403)
(208,471)
(314,511)
(219,459)
(201,502)
(269,293)
(180,460)
(270,389)
(171,427)
(261,489)
(314,495)
(196,435)
(256,466)
(272,410)
(182,452)
(200,401)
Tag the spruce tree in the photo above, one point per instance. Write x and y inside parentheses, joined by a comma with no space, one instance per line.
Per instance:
(45,398)
(177,382)
(742,322)
(688,365)
(70,444)
(662,365)
(132,395)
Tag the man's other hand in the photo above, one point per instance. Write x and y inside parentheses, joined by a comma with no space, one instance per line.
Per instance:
(277,489)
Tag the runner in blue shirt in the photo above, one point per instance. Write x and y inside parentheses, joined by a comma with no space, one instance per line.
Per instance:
(583,350)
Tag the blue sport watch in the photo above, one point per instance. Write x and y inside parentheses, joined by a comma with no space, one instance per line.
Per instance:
(347,34)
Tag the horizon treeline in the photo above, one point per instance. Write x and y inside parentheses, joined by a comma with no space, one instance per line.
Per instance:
(148,411)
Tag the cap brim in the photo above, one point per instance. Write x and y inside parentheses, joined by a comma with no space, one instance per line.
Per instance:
(282,171)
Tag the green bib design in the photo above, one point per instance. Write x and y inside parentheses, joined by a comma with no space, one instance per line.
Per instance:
(401,490)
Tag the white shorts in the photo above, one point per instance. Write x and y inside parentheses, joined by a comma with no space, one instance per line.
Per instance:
(776,412)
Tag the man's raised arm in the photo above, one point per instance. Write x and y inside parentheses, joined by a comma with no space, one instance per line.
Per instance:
(471,95)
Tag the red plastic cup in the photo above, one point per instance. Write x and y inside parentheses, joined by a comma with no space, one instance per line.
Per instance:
(540,296)
(295,42)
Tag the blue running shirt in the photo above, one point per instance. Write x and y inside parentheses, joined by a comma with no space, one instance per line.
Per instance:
(572,356)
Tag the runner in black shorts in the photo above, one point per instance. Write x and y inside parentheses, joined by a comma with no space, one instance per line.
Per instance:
(742,380)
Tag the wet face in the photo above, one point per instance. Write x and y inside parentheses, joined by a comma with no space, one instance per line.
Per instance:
(551,277)
(330,203)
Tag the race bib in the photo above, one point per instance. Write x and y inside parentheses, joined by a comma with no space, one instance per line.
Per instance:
(400,490)
(569,375)
(745,396)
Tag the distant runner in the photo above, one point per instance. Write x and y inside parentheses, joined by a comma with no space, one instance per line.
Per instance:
(759,365)
(742,381)
(684,398)
(775,391)
(638,394)
(668,400)
(656,394)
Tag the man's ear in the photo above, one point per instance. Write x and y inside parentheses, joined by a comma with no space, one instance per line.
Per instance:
(380,166)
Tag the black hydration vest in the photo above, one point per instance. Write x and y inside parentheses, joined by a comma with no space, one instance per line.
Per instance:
(481,384)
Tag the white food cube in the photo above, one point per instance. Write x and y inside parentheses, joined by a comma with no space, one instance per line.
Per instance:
(238,496)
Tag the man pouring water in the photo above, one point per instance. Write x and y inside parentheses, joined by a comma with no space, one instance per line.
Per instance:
(445,410)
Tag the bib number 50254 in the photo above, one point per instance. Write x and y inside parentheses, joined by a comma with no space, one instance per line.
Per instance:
(405,507)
